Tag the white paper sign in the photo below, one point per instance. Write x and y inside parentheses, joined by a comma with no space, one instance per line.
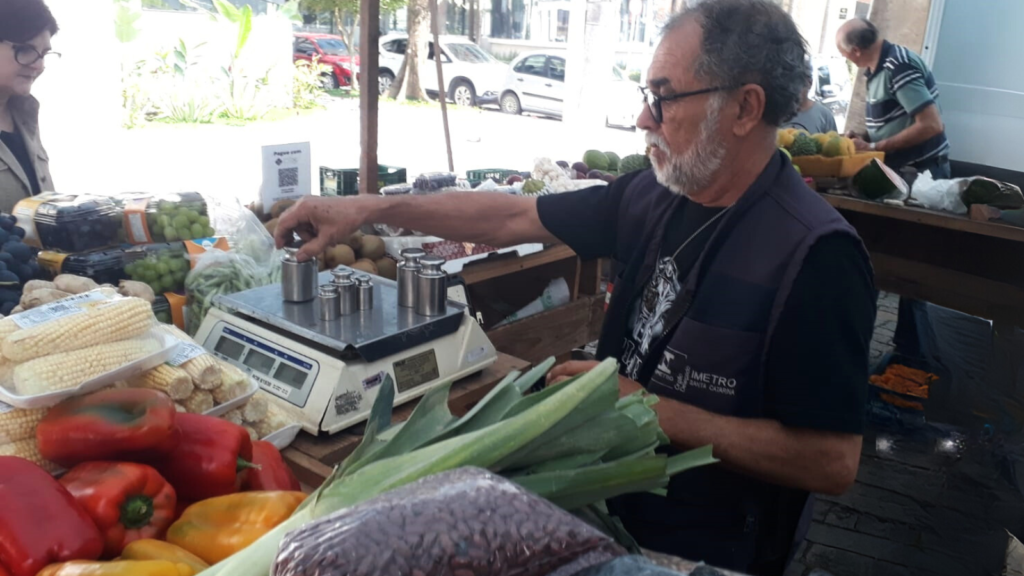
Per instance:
(186,351)
(56,310)
(287,173)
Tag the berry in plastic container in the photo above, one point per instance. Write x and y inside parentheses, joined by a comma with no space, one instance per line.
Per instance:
(70,223)
(102,266)
(433,182)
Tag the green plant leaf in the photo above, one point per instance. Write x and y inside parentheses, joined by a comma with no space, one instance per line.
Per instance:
(692,459)
(124,24)
(227,11)
(244,29)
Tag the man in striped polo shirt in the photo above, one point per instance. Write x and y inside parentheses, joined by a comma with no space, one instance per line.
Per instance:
(902,116)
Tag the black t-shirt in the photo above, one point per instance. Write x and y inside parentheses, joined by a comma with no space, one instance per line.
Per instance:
(16,144)
(817,363)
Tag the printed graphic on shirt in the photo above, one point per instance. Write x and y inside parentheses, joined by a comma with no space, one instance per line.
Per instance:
(648,318)
(675,372)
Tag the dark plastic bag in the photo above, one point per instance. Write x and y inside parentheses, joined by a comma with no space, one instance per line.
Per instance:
(465,522)
(640,566)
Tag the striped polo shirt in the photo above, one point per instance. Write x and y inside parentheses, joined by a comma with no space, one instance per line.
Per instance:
(900,87)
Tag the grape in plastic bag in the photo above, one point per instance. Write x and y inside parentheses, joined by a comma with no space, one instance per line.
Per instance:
(464,522)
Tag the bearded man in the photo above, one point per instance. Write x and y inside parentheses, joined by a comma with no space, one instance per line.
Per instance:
(741,298)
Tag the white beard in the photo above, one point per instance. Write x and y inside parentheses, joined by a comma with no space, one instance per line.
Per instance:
(693,170)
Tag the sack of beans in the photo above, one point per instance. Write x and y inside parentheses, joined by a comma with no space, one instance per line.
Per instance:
(465,522)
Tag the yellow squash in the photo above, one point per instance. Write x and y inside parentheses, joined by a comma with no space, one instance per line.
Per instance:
(217,528)
(149,549)
(118,568)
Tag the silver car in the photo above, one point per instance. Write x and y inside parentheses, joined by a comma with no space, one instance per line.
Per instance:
(536,83)
(473,76)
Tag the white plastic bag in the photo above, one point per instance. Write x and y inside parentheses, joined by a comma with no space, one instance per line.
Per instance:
(938,194)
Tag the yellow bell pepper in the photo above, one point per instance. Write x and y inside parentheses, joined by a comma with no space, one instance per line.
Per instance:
(149,549)
(217,528)
(118,568)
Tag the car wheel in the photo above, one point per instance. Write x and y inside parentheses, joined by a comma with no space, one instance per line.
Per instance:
(384,80)
(462,93)
(510,104)
(329,81)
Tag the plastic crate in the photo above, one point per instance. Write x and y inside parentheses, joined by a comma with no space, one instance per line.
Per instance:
(499,175)
(345,181)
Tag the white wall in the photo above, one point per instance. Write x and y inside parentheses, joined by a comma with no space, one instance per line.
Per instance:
(979,66)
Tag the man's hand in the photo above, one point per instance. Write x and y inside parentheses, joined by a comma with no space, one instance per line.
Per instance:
(851,135)
(860,145)
(320,222)
(567,370)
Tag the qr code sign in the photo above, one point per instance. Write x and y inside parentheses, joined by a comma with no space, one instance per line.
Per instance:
(287,177)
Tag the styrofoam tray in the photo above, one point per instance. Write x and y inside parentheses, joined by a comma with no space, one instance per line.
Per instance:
(283,437)
(168,344)
(230,405)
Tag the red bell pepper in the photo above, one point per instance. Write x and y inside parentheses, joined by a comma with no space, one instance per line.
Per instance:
(272,472)
(211,458)
(127,501)
(40,522)
(107,425)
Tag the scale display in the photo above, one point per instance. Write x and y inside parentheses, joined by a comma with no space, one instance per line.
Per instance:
(284,373)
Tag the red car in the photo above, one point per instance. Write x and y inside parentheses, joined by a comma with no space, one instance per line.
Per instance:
(329,51)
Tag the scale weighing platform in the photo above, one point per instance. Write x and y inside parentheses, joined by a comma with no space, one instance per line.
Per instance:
(326,373)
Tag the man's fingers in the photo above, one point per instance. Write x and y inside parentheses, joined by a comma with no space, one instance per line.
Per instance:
(569,369)
(287,223)
(314,247)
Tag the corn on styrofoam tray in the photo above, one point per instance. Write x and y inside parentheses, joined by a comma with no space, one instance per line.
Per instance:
(168,344)
(283,437)
(221,409)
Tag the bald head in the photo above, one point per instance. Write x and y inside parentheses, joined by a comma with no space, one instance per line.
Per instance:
(857,33)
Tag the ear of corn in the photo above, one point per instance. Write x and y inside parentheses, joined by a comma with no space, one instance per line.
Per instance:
(255,409)
(69,369)
(28,450)
(17,424)
(234,416)
(107,322)
(203,369)
(171,380)
(200,401)
(229,390)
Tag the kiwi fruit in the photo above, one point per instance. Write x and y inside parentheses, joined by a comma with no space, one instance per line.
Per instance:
(387,268)
(271,226)
(365,265)
(372,248)
(340,255)
(279,207)
(355,242)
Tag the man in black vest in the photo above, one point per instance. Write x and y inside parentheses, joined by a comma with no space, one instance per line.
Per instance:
(740,297)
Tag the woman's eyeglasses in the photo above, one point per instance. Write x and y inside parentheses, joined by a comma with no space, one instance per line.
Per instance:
(27,55)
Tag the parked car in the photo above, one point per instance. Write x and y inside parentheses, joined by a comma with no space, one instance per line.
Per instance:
(535,83)
(329,51)
(473,76)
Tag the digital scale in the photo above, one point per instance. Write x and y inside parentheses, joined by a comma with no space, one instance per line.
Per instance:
(326,374)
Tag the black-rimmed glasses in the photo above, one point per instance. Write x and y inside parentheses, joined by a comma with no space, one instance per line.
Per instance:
(27,55)
(654,101)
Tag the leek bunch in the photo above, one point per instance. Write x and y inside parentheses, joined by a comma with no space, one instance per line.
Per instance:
(575,443)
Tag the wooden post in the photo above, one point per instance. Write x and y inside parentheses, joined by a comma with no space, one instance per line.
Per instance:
(369,50)
(442,94)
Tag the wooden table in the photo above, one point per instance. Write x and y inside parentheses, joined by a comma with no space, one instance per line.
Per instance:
(519,280)
(949,260)
(313,457)
(953,261)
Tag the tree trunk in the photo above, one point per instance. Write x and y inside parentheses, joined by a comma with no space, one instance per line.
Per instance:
(407,84)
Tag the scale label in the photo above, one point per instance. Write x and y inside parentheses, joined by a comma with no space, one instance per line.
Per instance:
(416,370)
(282,391)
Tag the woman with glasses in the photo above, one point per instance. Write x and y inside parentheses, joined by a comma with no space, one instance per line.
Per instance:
(26,27)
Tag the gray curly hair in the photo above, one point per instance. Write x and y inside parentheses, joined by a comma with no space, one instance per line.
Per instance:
(751,42)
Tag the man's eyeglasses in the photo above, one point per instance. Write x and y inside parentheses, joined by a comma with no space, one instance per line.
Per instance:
(654,102)
(27,55)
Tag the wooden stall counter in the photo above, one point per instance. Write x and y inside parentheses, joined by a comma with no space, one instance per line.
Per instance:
(313,457)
